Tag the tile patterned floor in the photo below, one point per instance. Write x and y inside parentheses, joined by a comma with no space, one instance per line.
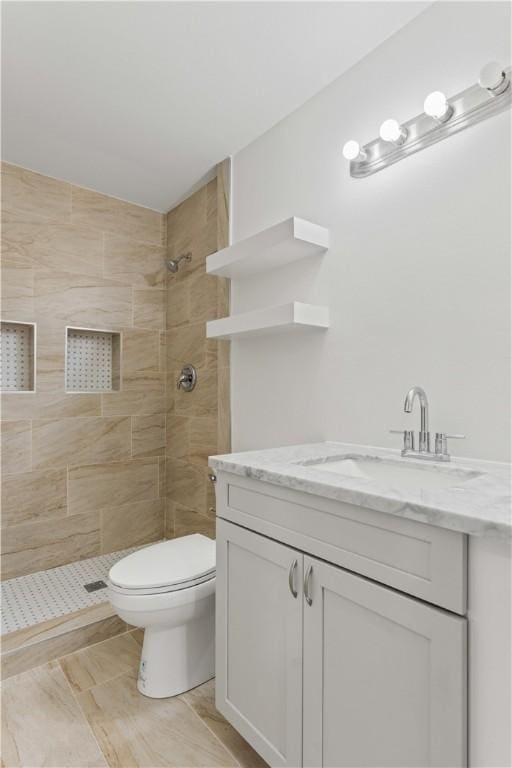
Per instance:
(38,597)
(84,710)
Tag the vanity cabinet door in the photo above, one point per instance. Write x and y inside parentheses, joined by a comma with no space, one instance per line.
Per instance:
(259,642)
(384,676)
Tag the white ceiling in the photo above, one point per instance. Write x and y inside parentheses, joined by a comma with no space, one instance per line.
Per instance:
(140,100)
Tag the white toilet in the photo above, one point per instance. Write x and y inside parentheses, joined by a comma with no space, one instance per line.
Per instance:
(169,589)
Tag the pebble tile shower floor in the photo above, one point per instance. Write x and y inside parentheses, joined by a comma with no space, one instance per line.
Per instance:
(37,597)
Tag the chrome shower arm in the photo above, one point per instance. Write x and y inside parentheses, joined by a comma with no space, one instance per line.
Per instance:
(173,264)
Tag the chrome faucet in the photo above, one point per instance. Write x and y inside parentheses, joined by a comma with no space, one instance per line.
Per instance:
(423,451)
(424,434)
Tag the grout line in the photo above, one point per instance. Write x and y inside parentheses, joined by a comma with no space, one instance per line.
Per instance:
(103,249)
(208,727)
(67,491)
(31,445)
(82,714)
(100,526)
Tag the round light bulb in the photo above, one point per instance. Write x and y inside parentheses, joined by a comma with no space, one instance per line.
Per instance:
(436,106)
(493,78)
(392,131)
(351,150)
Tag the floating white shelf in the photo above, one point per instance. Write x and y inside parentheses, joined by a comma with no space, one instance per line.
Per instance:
(284,317)
(290,240)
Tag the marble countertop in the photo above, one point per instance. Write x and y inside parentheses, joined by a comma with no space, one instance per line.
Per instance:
(478,503)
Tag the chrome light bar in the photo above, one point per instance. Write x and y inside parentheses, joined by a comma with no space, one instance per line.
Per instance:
(490,96)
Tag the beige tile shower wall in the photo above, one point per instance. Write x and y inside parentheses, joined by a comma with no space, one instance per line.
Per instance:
(198,421)
(82,473)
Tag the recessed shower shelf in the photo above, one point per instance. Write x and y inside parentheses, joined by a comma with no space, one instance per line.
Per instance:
(286,317)
(17,356)
(92,360)
(283,243)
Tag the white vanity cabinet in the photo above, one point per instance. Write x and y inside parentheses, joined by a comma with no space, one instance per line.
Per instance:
(384,676)
(318,665)
(259,642)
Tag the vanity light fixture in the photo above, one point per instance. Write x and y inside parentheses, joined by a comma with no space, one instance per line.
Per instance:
(437,107)
(392,132)
(442,117)
(352,151)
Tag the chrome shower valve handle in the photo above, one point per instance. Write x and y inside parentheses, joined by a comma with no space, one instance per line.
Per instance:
(187,378)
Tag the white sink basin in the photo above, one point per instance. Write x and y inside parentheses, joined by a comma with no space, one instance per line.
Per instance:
(397,474)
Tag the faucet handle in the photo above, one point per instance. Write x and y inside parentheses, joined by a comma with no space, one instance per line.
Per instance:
(441,445)
(408,438)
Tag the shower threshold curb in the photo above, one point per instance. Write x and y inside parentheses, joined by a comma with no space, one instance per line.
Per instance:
(32,646)
(68,616)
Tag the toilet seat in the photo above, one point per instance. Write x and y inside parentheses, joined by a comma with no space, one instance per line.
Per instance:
(169,566)
(152,605)
(160,590)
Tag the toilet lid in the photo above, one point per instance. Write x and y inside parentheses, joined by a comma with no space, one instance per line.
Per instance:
(178,561)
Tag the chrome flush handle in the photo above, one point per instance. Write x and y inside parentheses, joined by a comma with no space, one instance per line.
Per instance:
(291,578)
(307,585)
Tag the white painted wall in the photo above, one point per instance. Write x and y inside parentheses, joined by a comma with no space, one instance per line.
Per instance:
(418,275)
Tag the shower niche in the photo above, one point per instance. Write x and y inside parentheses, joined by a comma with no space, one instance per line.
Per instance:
(17,356)
(93,360)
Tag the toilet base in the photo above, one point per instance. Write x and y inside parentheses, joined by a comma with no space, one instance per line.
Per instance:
(176,659)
